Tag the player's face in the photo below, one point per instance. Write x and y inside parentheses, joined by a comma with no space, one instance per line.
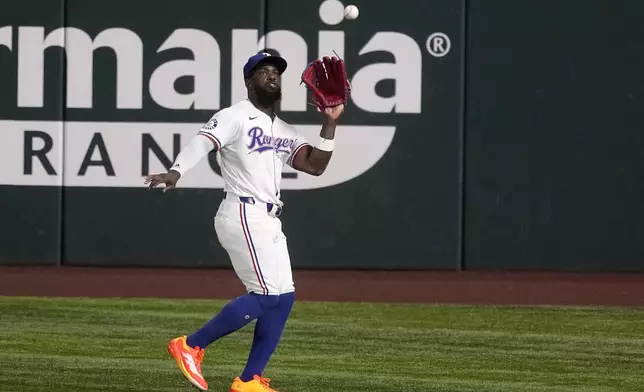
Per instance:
(267,78)
(265,85)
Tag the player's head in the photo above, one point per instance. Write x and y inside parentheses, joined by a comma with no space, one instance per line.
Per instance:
(262,74)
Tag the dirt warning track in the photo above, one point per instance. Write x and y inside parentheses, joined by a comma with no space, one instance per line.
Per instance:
(503,288)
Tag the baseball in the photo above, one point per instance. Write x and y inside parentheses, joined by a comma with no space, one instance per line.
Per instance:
(351,12)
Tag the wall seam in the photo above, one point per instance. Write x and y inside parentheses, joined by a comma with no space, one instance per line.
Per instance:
(462,135)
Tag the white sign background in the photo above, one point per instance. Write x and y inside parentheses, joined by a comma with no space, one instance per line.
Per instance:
(358,148)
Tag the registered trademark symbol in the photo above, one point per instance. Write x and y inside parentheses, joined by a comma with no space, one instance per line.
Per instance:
(438,44)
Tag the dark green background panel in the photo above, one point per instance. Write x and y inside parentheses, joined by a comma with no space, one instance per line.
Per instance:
(403,212)
(212,17)
(30,225)
(31,216)
(49,16)
(554,169)
(137,227)
(525,152)
(131,227)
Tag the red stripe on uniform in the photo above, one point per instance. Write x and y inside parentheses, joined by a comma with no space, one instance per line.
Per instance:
(250,250)
(297,150)
(212,139)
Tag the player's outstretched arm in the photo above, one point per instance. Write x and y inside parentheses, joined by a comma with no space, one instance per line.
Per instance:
(189,156)
(314,160)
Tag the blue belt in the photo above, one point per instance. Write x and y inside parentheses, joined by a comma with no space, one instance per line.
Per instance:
(269,206)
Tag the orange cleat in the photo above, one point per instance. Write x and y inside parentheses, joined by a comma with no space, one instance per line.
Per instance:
(257,384)
(189,361)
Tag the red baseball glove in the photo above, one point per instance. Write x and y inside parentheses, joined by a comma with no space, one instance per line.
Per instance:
(327,79)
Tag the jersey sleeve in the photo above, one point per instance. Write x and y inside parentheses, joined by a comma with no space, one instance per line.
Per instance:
(222,129)
(191,154)
(299,142)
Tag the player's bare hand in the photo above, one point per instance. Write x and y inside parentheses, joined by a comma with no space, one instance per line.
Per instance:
(335,112)
(169,179)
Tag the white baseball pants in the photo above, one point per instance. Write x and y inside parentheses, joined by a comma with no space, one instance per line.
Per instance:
(256,245)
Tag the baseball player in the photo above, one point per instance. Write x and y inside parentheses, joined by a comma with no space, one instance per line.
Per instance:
(254,145)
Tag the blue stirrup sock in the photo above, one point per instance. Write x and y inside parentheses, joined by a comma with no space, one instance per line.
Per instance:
(235,315)
(268,332)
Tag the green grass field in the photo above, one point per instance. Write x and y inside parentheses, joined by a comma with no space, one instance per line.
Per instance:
(120,345)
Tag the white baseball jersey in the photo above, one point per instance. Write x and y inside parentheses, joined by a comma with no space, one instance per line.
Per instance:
(253,150)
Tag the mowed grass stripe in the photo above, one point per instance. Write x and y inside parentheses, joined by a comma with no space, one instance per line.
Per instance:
(86,373)
(55,344)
